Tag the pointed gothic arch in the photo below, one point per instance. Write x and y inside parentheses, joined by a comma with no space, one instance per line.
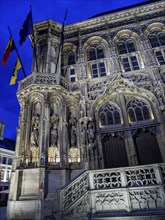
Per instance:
(140,111)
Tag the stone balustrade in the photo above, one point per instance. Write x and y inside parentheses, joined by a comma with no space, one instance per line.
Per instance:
(128,189)
(41,79)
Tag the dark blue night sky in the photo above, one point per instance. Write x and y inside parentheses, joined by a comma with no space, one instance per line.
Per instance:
(13,13)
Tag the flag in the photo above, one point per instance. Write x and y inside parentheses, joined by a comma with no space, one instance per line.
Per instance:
(26,28)
(14,75)
(10,47)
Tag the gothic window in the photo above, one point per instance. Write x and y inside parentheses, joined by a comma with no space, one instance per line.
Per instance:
(138,110)
(109,115)
(71,58)
(128,55)
(157,40)
(96,52)
(10,161)
(96,61)
(4,159)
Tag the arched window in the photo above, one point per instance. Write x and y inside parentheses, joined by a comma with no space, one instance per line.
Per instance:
(10,161)
(128,54)
(71,58)
(96,61)
(95,52)
(109,115)
(138,110)
(157,40)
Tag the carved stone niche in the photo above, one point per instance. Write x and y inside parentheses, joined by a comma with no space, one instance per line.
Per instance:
(53,155)
(34,135)
(74,155)
(34,151)
(53,151)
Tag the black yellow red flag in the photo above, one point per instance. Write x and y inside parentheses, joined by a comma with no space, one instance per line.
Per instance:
(15,72)
(9,48)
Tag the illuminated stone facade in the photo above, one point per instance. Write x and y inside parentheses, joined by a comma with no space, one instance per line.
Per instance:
(102,107)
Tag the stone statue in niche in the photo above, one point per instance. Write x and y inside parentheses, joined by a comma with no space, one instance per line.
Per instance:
(159,95)
(90,134)
(162,74)
(35,131)
(83,134)
(83,146)
(54,130)
(72,122)
(83,107)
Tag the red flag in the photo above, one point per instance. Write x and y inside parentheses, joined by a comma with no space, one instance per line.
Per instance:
(10,47)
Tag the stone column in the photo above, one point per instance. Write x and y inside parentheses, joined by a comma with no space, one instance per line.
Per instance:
(131,151)
(129,144)
(113,58)
(45,134)
(21,153)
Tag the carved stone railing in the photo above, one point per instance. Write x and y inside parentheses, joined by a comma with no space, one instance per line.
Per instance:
(117,191)
(75,190)
(43,78)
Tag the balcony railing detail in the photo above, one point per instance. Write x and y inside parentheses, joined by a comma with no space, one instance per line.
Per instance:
(46,78)
(121,190)
(109,179)
(141,177)
(75,190)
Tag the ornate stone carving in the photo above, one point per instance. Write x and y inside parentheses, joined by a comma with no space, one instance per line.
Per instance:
(120,84)
(81,207)
(113,201)
(146,199)
(139,78)
(35,131)
(34,151)
(38,78)
(162,167)
(159,93)
(75,191)
(34,139)
(90,133)
(53,155)
(103,180)
(73,131)
(54,130)
(74,155)
(141,177)
(83,134)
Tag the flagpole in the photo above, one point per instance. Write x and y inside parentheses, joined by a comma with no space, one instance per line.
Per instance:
(35,54)
(17,52)
(61,43)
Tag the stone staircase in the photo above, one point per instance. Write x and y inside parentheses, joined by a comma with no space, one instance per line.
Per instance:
(121,193)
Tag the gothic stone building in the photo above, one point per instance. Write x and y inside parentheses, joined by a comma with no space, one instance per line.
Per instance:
(91,135)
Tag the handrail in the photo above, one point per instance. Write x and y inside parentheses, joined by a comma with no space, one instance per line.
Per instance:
(108,179)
